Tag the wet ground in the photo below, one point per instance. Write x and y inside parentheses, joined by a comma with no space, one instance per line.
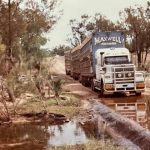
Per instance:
(33,136)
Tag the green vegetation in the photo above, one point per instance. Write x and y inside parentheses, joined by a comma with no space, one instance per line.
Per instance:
(23,25)
(69,105)
(59,50)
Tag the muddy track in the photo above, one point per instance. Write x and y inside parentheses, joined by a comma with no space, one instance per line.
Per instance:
(126,129)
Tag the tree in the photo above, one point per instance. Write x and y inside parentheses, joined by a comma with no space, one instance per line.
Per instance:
(59,50)
(22,29)
(57,88)
(79,30)
(40,19)
(89,24)
(136,25)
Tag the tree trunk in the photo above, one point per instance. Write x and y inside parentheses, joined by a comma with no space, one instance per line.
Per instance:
(11,94)
(145,56)
(9,30)
(56,97)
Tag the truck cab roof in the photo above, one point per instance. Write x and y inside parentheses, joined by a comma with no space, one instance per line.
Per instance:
(112,52)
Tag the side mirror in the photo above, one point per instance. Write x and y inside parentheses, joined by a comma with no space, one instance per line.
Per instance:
(102,70)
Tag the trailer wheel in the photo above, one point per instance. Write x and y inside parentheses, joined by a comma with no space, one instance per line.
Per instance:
(82,81)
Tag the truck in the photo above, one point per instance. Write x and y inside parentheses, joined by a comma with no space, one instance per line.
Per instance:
(103,62)
(75,69)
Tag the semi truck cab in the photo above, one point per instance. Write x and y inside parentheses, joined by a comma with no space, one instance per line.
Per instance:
(116,73)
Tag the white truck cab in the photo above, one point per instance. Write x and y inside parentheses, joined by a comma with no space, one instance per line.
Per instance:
(116,73)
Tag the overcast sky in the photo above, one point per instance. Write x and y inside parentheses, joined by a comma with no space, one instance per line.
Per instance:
(75,8)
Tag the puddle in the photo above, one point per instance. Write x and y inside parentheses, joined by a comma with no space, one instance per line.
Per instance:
(67,134)
(133,107)
(29,136)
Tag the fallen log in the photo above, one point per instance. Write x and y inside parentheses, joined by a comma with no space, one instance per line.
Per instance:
(46,117)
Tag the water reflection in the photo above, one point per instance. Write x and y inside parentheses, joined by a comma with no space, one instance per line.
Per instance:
(67,134)
(132,107)
(29,136)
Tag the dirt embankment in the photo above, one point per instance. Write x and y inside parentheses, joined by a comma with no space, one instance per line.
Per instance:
(56,64)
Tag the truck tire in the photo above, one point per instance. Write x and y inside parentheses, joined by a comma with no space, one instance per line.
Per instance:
(102,89)
(82,81)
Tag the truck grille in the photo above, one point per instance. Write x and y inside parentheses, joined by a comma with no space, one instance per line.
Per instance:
(123,76)
(123,69)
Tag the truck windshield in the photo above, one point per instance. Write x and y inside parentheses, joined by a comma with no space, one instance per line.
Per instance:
(116,60)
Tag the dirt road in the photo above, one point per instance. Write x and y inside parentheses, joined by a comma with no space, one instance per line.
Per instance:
(56,64)
(78,88)
(86,92)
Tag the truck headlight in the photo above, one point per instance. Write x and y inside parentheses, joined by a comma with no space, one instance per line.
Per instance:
(129,74)
(119,75)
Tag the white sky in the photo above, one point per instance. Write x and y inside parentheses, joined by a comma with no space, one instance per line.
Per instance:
(75,8)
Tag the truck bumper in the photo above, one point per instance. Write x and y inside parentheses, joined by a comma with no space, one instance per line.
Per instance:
(124,87)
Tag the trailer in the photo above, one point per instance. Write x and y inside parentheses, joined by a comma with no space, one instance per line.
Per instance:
(103,62)
(75,72)
(68,65)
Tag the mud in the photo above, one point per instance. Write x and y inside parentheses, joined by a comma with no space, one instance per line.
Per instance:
(34,117)
(44,116)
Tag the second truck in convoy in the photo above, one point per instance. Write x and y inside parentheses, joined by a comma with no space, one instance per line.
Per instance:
(103,62)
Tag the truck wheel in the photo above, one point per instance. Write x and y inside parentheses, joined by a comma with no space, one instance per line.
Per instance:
(82,81)
(86,84)
(102,90)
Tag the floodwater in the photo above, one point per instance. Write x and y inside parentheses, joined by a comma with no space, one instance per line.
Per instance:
(121,98)
(133,107)
(30,136)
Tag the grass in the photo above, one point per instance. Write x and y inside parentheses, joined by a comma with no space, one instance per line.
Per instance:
(91,145)
(69,105)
